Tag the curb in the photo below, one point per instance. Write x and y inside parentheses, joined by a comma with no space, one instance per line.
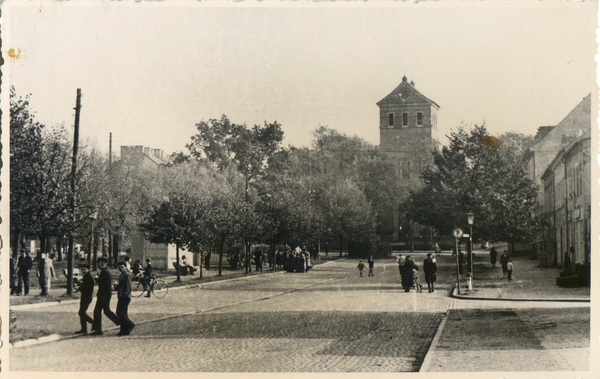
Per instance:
(41,305)
(463,297)
(431,351)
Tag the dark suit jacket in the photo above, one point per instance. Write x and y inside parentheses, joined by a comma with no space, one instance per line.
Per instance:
(104,284)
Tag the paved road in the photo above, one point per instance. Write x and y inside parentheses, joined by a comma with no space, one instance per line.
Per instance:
(327,320)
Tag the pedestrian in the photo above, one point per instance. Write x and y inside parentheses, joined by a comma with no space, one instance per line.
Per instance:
(24,264)
(503,262)
(430,269)
(44,273)
(301,262)
(509,269)
(361,267)
(87,289)
(123,300)
(410,268)
(103,298)
(50,269)
(400,262)
(308,264)
(493,255)
(147,276)
(371,263)
(461,261)
(13,276)
(257,261)
(127,260)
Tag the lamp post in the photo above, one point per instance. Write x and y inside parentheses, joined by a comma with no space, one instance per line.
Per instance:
(93,217)
(470,220)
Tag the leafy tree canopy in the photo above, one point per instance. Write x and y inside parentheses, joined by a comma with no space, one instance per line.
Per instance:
(473,175)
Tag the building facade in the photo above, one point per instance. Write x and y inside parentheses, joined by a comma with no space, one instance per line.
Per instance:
(550,140)
(566,216)
(162,255)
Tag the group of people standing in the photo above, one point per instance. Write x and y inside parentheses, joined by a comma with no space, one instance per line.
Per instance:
(408,272)
(297,260)
(103,296)
(20,269)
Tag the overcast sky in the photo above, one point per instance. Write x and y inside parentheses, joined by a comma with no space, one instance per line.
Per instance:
(149,72)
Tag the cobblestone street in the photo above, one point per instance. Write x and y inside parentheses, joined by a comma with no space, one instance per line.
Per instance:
(326,320)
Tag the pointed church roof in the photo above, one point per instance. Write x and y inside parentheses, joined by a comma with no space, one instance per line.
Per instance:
(405,93)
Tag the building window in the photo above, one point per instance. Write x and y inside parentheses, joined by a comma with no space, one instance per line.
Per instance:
(404,119)
(390,119)
(419,118)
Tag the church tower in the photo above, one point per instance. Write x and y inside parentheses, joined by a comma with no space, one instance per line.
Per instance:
(406,120)
(406,123)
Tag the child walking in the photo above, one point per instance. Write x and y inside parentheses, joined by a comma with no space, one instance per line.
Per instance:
(509,269)
(361,267)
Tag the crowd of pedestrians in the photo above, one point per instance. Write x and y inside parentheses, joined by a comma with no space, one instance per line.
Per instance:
(21,267)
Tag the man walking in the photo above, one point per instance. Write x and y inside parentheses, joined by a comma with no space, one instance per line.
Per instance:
(503,262)
(430,268)
(124,298)
(87,290)
(24,264)
(371,263)
(103,298)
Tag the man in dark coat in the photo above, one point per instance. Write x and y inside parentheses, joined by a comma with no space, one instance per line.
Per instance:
(493,256)
(371,263)
(103,298)
(503,262)
(409,266)
(124,298)
(24,264)
(430,268)
(87,289)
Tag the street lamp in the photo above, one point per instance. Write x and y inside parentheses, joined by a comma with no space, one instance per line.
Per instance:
(93,217)
(470,220)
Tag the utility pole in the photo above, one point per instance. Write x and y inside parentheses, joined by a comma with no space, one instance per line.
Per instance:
(112,258)
(73,172)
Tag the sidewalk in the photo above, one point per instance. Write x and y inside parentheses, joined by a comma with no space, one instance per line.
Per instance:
(526,324)
(529,282)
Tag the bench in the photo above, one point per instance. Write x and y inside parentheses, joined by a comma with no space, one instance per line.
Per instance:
(183,270)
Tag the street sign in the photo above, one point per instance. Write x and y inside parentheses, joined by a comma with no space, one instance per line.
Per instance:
(457,233)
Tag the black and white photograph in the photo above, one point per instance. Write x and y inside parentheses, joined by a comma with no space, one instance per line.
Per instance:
(299,188)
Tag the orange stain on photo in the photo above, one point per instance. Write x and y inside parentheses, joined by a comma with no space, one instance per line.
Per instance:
(489,141)
(14,54)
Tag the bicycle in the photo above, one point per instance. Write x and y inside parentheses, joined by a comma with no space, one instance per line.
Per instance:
(158,287)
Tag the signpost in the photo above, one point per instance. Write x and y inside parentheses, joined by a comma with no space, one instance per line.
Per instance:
(457,234)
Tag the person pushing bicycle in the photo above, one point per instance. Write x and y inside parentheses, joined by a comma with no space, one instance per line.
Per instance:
(145,280)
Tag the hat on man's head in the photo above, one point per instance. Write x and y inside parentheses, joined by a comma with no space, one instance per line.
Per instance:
(102,259)
(183,257)
(84,266)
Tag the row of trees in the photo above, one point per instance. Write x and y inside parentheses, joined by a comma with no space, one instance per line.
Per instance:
(238,186)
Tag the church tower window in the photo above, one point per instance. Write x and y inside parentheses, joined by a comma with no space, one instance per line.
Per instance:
(405,119)
(419,118)
(390,119)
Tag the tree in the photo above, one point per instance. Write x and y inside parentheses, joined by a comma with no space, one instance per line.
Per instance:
(40,177)
(226,144)
(471,175)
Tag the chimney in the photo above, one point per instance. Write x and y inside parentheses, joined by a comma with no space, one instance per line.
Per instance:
(147,151)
